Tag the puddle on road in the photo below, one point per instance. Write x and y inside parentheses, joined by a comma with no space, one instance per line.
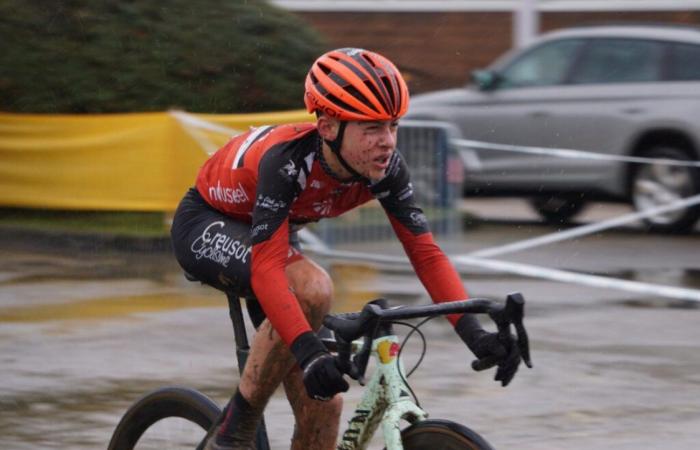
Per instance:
(686,278)
(103,308)
(30,267)
(82,414)
(79,419)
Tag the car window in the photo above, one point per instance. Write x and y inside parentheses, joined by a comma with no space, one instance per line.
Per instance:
(545,65)
(685,62)
(618,61)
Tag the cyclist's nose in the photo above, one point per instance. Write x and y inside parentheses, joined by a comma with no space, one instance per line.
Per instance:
(387,139)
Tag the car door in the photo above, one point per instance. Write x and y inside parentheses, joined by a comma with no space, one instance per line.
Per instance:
(514,113)
(589,108)
(610,88)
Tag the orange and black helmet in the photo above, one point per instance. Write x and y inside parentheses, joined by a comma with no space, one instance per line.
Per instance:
(356,84)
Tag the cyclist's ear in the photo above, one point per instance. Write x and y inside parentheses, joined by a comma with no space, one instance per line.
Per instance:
(327,127)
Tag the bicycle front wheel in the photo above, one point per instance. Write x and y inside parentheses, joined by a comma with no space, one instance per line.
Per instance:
(443,435)
(169,418)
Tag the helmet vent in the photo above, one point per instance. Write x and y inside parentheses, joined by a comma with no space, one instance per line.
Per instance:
(338,102)
(356,84)
(393,94)
(369,60)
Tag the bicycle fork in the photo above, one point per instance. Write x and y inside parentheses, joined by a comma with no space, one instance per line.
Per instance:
(387,399)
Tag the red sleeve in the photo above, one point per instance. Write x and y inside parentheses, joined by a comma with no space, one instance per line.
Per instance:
(434,270)
(269,282)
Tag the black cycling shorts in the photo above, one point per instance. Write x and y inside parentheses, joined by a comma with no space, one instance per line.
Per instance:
(216,249)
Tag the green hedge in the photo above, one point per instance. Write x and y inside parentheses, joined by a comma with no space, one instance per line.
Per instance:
(83,56)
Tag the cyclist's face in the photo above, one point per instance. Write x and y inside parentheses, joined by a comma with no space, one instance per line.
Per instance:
(368,146)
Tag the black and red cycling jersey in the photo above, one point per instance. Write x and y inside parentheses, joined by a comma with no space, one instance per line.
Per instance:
(273,178)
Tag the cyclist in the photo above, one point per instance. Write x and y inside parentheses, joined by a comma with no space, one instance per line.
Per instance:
(237,230)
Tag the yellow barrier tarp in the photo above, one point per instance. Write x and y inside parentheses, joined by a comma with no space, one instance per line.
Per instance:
(129,162)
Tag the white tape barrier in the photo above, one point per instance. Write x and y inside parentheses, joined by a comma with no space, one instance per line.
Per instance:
(345,255)
(646,289)
(564,153)
(462,262)
(192,126)
(585,229)
(477,258)
(194,121)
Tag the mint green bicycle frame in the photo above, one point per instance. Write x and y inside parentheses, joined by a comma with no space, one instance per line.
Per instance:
(386,400)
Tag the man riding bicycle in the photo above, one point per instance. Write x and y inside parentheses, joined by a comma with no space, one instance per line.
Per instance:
(236,230)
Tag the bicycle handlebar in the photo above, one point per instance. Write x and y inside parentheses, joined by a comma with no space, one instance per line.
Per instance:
(350,326)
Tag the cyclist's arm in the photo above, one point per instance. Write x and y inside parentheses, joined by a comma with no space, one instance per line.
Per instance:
(432,266)
(270,234)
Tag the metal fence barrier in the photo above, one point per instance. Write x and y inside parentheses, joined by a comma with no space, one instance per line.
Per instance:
(436,175)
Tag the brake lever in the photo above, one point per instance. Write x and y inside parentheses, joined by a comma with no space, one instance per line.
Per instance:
(352,367)
(516,303)
(343,359)
(361,359)
(513,313)
(523,344)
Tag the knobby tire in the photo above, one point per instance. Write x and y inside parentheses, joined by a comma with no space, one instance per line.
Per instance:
(167,402)
(442,435)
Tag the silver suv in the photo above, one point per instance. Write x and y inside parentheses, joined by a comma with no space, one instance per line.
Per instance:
(618,90)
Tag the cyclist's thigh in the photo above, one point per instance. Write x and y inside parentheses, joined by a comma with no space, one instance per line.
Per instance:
(309,280)
(302,272)
(312,287)
(212,246)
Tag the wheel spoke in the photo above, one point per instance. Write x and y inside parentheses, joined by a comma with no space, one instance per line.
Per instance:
(656,184)
(649,193)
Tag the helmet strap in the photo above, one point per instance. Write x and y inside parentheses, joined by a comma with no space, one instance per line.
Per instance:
(335,146)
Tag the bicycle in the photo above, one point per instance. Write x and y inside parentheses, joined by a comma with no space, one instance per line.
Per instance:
(386,399)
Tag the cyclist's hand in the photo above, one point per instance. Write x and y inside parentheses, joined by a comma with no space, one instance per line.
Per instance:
(322,378)
(491,349)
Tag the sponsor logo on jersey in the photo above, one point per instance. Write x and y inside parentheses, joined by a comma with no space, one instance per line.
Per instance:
(323,207)
(219,247)
(316,184)
(259,229)
(289,171)
(269,203)
(228,195)
(418,219)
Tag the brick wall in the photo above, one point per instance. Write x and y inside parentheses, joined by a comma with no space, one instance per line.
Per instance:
(437,50)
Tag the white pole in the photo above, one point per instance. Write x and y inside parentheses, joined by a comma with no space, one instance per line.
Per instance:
(526,24)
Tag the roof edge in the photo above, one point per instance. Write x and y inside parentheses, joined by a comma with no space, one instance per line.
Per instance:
(484,5)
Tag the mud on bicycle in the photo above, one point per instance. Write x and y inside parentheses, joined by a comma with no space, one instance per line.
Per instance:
(387,399)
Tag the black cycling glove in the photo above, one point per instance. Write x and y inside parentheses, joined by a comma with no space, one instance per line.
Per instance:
(322,378)
(491,349)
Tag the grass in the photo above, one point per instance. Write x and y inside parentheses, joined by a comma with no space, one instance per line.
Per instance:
(149,224)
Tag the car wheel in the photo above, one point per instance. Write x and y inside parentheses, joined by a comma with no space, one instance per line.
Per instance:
(654,185)
(557,209)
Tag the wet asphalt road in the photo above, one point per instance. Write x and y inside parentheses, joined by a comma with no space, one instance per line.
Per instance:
(84,334)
